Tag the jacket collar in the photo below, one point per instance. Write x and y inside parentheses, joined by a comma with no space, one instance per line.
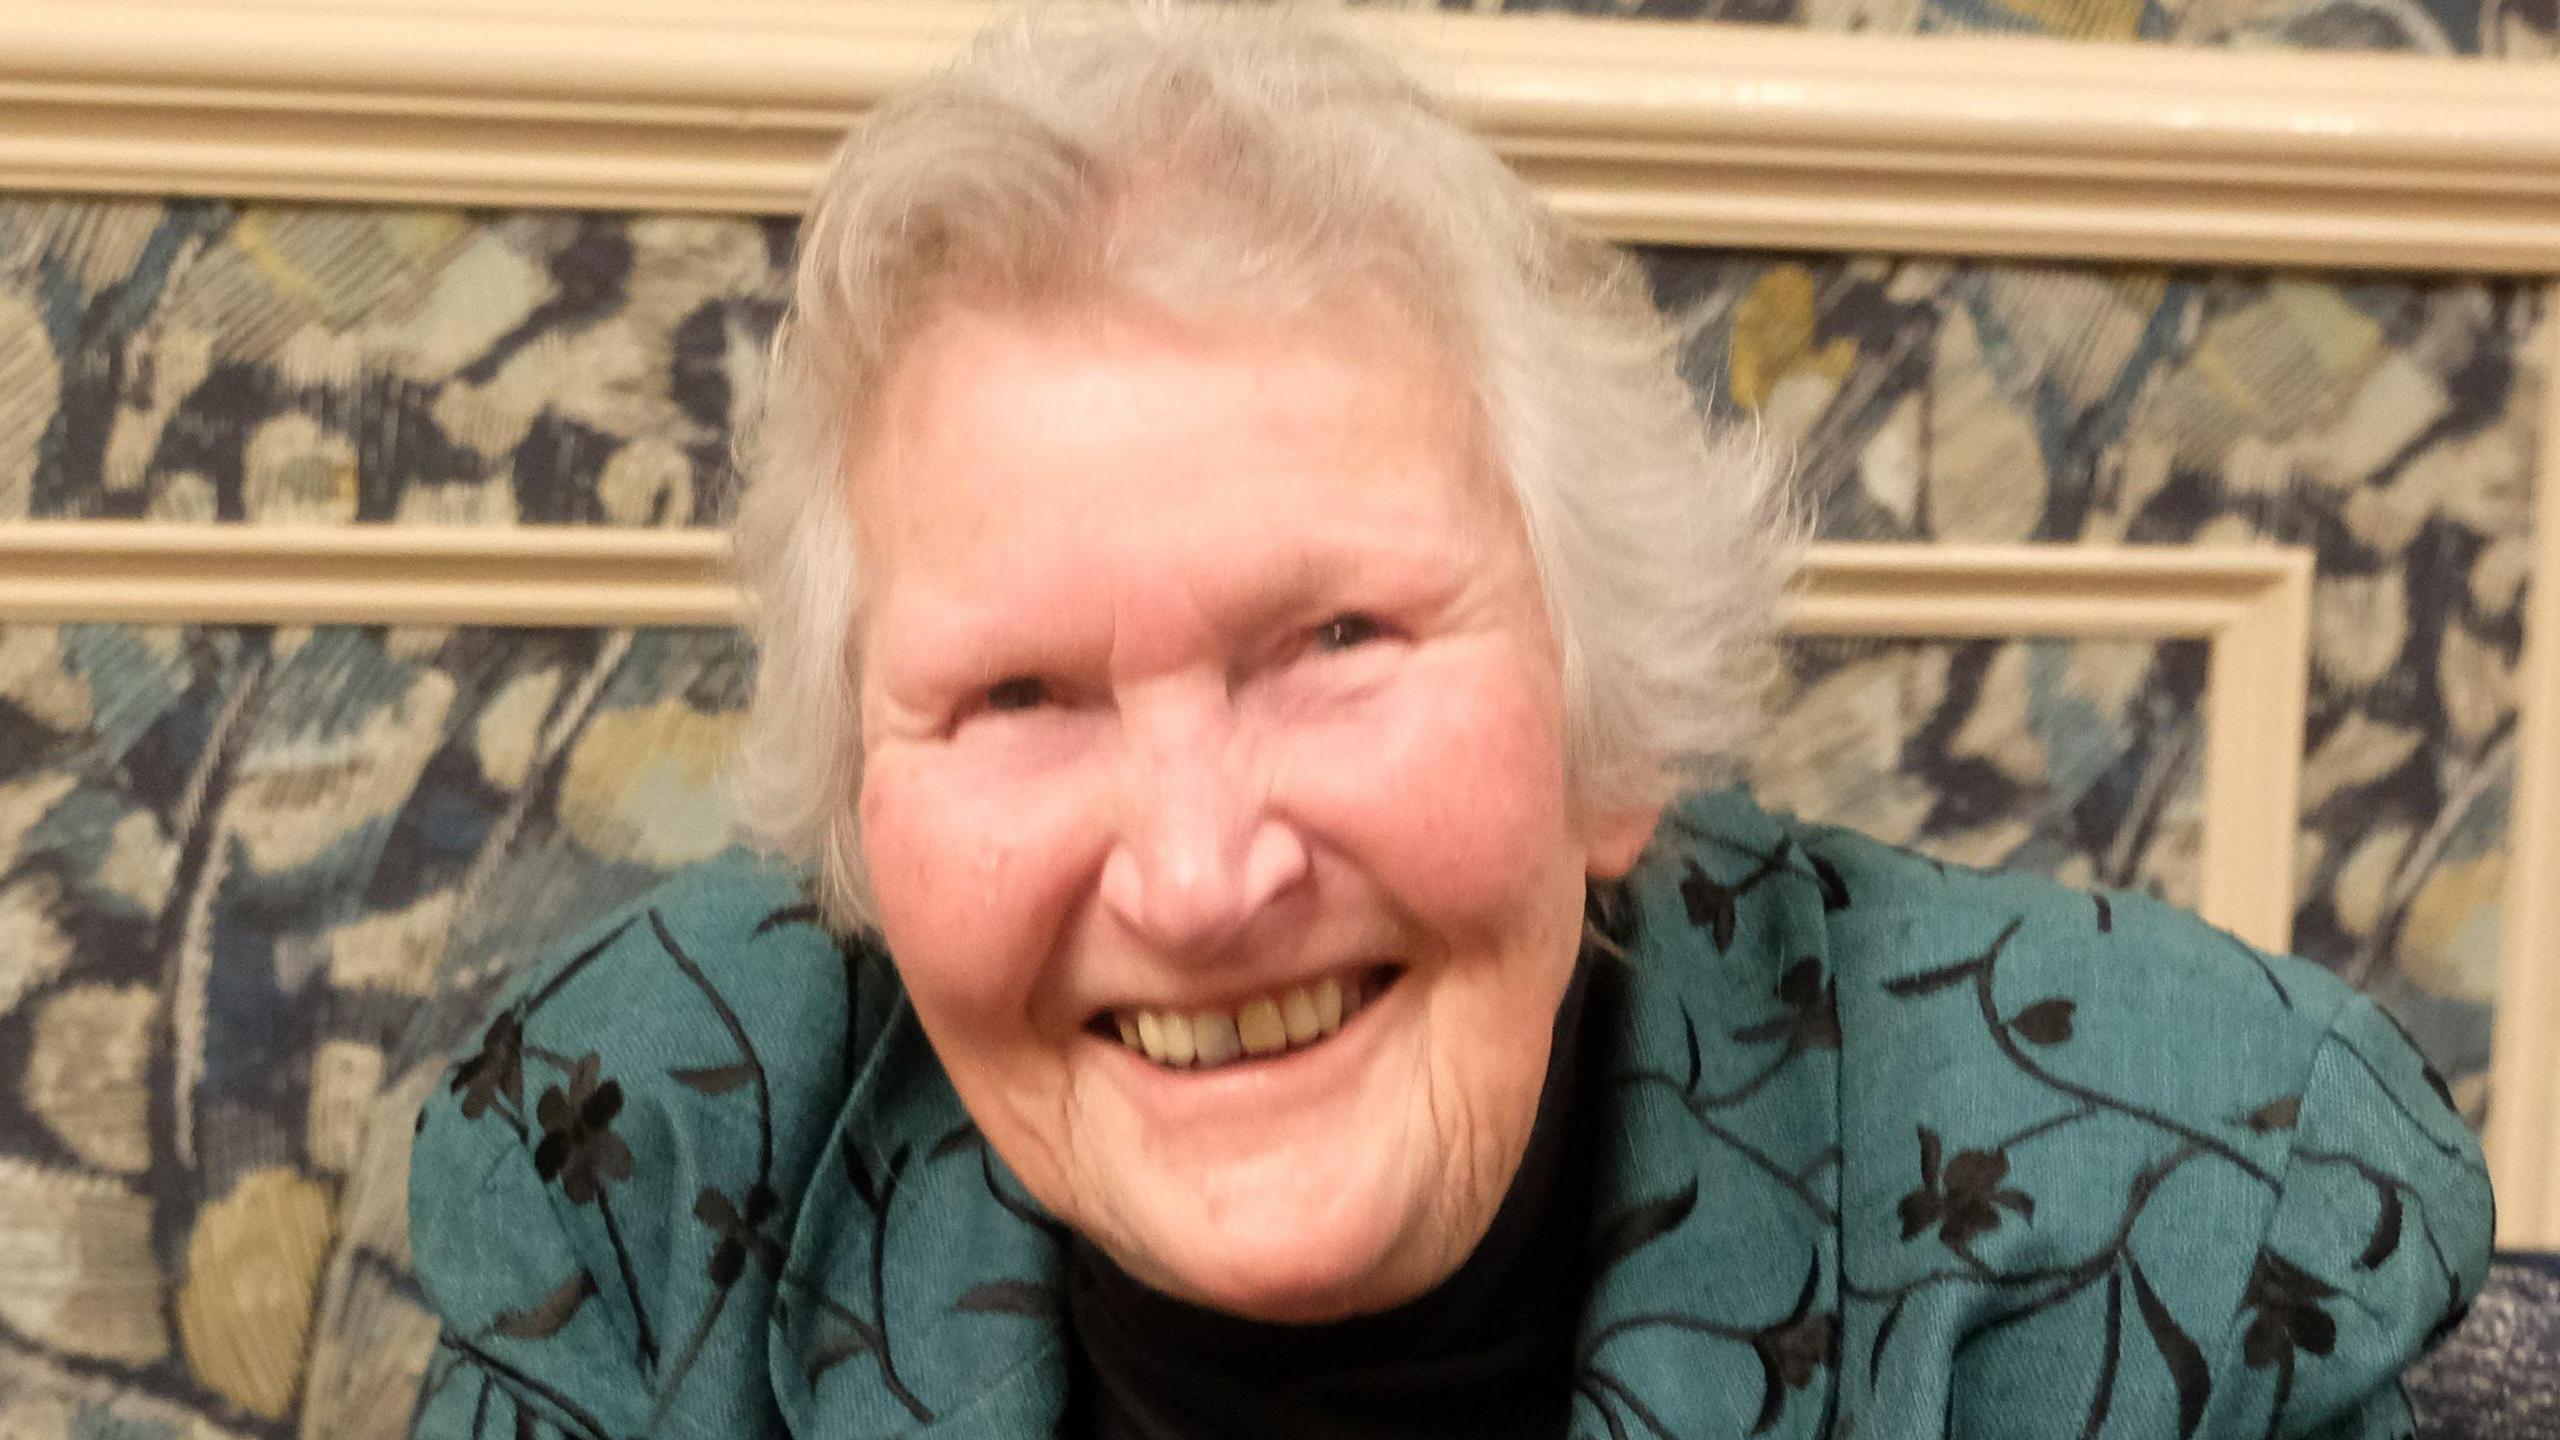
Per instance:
(921,1295)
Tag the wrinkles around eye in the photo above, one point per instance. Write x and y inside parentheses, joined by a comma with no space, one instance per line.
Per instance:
(1022,694)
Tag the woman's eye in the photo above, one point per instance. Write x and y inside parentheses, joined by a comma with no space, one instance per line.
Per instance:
(1343,632)
(1022,692)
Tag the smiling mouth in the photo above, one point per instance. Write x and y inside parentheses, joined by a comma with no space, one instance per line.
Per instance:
(1262,1028)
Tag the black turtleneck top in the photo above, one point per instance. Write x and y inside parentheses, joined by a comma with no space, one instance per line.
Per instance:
(1486,1353)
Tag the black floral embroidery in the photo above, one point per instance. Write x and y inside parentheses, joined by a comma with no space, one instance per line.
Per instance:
(1641,1226)
(1706,1107)
(1961,1198)
(738,1229)
(2285,1313)
(1792,1352)
(2046,1022)
(2285,1321)
(496,1070)
(2179,1354)
(1034,1299)
(1835,889)
(1964,1197)
(1796,1350)
(1714,906)
(551,1314)
(1711,905)
(579,1148)
(853,1334)
(741,1233)
(804,913)
(1812,1018)
(572,1417)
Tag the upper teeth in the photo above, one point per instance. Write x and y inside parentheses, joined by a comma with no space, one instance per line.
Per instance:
(1265,1025)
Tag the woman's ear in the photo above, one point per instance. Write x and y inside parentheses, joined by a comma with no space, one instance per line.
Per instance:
(1613,840)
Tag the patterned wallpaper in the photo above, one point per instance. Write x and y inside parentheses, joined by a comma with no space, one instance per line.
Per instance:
(237,864)
(2509,29)
(261,873)
(206,361)
(2388,425)
(2080,759)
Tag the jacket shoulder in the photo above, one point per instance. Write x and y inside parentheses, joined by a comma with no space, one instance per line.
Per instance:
(1979,1005)
(726,955)
(2105,1095)
(600,1193)
(1888,906)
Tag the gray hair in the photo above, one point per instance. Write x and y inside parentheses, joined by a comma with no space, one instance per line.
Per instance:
(1205,159)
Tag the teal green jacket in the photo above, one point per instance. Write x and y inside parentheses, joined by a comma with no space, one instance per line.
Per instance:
(1895,1150)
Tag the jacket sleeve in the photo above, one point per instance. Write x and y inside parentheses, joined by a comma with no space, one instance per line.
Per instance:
(601,1194)
(530,1344)
(2377,1241)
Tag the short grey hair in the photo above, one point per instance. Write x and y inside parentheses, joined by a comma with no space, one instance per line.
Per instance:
(1205,159)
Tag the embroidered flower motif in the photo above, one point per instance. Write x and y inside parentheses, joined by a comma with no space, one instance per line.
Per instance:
(1794,1351)
(1964,1200)
(1812,1018)
(497,1070)
(1712,906)
(2289,1316)
(741,1234)
(1791,1351)
(578,1143)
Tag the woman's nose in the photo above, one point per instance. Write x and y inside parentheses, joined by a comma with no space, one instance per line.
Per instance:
(1199,853)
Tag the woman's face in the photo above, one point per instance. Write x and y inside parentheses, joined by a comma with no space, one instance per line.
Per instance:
(1209,692)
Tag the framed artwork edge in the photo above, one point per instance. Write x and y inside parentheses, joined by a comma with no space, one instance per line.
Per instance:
(2251,607)
(1694,134)
(1687,134)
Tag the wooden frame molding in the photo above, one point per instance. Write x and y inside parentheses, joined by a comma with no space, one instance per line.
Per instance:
(1676,133)
(149,573)
(2523,1138)
(2251,606)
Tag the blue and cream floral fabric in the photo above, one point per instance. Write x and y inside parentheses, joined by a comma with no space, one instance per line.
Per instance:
(251,881)
(1896,1149)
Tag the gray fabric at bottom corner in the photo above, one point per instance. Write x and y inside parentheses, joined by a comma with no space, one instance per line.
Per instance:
(2498,1377)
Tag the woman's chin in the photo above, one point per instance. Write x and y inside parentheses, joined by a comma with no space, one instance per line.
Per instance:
(1281,1283)
(1299,1258)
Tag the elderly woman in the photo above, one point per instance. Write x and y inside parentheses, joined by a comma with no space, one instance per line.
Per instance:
(1246,604)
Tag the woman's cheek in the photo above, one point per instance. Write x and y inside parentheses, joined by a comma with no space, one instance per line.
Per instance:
(975,867)
(1449,784)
